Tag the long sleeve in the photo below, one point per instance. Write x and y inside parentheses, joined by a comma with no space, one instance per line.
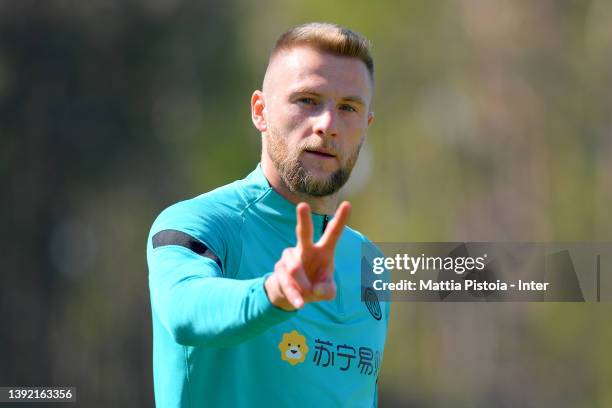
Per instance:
(194,289)
(199,307)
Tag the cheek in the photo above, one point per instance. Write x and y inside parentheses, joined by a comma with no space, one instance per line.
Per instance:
(354,136)
(286,117)
(354,122)
(291,127)
(296,121)
(355,131)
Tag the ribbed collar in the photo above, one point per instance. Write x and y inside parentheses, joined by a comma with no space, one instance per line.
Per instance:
(276,202)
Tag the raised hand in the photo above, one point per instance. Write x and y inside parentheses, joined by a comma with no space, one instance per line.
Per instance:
(304,273)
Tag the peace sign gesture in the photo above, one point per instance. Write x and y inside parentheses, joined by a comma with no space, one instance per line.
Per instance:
(304,273)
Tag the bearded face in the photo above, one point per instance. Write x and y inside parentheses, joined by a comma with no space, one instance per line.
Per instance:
(313,114)
(295,174)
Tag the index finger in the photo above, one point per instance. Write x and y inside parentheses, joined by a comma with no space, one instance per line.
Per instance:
(335,227)
(303,229)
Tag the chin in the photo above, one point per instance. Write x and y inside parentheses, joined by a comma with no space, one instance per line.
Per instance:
(319,173)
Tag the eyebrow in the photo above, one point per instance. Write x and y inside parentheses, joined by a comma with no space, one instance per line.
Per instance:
(355,99)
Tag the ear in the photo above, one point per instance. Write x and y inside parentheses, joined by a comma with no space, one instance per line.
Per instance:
(370,118)
(258,111)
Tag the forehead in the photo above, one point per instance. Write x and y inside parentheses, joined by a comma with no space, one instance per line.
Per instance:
(304,67)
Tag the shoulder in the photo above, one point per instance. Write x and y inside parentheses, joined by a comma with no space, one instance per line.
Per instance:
(219,208)
(360,242)
(214,218)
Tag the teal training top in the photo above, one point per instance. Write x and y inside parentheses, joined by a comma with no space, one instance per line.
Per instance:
(217,339)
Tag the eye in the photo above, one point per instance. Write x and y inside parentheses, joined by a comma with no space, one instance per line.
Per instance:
(289,344)
(307,101)
(299,345)
(347,108)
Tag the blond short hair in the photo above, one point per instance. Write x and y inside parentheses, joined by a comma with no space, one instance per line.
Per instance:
(328,37)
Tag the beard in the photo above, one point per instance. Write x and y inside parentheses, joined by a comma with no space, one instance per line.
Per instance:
(293,173)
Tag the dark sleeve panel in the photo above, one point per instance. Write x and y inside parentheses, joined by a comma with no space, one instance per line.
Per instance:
(180,238)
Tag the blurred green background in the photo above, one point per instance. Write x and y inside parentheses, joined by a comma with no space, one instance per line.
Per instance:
(493,122)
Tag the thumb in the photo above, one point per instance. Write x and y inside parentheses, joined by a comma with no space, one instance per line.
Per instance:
(325,290)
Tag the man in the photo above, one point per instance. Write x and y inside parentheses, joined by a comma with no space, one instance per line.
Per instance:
(256,300)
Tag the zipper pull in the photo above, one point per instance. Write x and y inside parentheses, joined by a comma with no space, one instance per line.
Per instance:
(325,221)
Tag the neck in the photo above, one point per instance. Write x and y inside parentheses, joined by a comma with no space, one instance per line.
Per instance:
(319,205)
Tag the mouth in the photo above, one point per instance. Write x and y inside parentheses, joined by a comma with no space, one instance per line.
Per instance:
(320,153)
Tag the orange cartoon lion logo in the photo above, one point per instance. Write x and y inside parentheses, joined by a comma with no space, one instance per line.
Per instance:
(293,347)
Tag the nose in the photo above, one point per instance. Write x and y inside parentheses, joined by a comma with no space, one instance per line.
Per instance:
(325,122)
